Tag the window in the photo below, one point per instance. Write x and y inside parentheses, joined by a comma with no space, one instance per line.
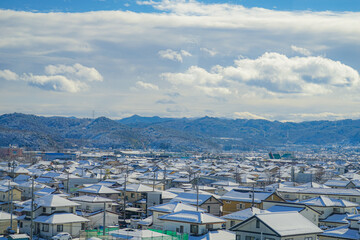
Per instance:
(132,195)
(239,206)
(181,229)
(238,237)
(53,208)
(45,227)
(60,228)
(257,223)
(72,209)
(228,201)
(194,229)
(21,224)
(249,238)
(209,226)
(232,223)
(87,208)
(82,226)
(208,209)
(44,209)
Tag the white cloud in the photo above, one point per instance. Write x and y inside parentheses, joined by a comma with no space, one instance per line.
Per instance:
(300,50)
(77,70)
(174,55)
(59,78)
(8,75)
(279,73)
(323,115)
(56,83)
(209,51)
(274,72)
(247,115)
(148,86)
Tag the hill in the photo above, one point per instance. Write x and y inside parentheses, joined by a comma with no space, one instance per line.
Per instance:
(174,134)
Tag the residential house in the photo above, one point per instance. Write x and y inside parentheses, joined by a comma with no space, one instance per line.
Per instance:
(205,201)
(52,214)
(235,218)
(99,190)
(5,222)
(236,200)
(191,222)
(166,208)
(349,231)
(306,210)
(277,226)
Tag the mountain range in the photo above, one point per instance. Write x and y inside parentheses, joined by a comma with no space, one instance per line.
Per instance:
(173,134)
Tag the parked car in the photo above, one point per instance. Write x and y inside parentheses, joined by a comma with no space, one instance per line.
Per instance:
(62,236)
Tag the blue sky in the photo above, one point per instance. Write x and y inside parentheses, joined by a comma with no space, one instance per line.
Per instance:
(130,5)
(283,60)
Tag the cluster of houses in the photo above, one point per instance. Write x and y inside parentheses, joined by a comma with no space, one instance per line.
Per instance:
(192,198)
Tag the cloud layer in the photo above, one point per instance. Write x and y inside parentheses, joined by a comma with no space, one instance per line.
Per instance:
(189,59)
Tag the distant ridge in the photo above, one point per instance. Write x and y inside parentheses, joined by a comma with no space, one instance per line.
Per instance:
(173,134)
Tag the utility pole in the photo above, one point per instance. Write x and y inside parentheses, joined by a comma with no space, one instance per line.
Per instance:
(253,197)
(197,194)
(32,209)
(67,182)
(104,220)
(124,211)
(12,196)
(154,181)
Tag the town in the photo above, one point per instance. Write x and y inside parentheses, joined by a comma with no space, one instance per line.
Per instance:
(130,194)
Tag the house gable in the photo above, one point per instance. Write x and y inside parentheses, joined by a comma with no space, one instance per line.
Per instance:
(251,226)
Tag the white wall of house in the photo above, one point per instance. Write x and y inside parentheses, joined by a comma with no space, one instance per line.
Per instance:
(93,207)
(72,228)
(96,220)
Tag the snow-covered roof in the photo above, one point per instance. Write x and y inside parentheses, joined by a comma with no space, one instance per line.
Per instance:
(97,189)
(244,214)
(192,217)
(224,183)
(324,201)
(5,215)
(60,218)
(336,183)
(137,234)
(331,191)
(54,201)
(288,223)
(92,199)
(338,218)
(191,198)
(279,208)
(172,207)
(245,196)
(215,235)
(136,188)
(343,232)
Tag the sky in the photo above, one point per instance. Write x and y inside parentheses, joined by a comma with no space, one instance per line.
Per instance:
(286,60)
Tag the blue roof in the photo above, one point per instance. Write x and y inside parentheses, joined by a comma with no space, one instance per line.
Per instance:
(278,208)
